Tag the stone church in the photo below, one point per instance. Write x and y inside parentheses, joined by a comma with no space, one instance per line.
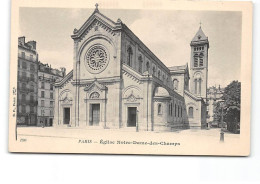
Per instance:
(118,83)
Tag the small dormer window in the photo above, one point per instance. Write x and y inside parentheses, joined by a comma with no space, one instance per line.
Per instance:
(199,37)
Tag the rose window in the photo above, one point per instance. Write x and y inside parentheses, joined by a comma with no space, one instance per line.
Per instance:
(96,59)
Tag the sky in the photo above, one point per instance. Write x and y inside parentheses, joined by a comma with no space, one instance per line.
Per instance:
(166,33)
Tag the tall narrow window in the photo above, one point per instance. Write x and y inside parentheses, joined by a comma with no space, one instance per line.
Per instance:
(159,108)
(175,84)
(199,86)
(201,60)
(195,82)
(42,103)
(191,112)
(42,85)
(196,60)
(31,57)
(178,111)
(159,74)
(23,54)
(175,108)
(42,94)
(147,66)
(51,86)
(153,70)
(140,61)
(51,95)
(129,56)
(171,109)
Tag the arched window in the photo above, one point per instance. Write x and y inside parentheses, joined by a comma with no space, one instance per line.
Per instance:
(159,74)
(153,70)
(175,84)
(201,59)
(23,86)
(175,108)
(129,56)
(159,108)
(140,62)
(23,97)
(199,86)
(191,112)
(196,60)
(32,88)
(195,83)
(147,66)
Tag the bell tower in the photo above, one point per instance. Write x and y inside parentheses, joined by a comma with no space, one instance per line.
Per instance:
(199,64)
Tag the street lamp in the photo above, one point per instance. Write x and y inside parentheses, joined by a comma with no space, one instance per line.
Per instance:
(222,123)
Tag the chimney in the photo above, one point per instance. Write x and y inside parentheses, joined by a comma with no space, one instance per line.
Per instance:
(21,40)
(33,44)
(63,70)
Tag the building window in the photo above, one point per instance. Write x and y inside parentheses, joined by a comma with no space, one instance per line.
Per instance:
(195,82)
(159,109)
(159,74)
(191,112)
(129,56)
(178,111)
(31,77)
(42,103)
(175,108)
(31,57)
(31,98)
(23,54)
(42,85)
(181,111)
(23,97)
(51,113)
(31,109)
(201,60)
(51,86)
(171,109)
(23,86)
(32,88)
(51,103)
(196,60)
(153,70)
(24,65)
(51,95)
(147,66)
(42,94)
(140,62)
(23,109)
(32,68)
(19,63)
(23,74)
(199,86)
(175,84)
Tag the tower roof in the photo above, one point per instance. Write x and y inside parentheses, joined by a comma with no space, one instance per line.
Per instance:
(200,36)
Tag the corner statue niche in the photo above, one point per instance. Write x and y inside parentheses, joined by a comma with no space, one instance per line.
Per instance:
(96,59)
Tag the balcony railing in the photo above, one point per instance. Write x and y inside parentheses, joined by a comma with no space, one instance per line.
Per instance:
(46,79)
(26,79)
(28,102)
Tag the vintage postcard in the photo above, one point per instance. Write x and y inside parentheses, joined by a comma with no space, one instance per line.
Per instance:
(130,77)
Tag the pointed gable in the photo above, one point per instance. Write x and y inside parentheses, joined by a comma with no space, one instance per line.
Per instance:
(96,18)
(200,36)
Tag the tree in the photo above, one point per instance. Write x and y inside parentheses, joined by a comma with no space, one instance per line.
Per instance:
(231,106)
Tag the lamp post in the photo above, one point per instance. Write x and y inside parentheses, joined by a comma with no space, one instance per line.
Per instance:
(222,123)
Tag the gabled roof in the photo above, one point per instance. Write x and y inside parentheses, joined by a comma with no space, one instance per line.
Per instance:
(177,68)
(96,15)
(200,36)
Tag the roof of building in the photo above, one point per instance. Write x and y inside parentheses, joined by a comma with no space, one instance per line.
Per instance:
(176,68)
(200,35)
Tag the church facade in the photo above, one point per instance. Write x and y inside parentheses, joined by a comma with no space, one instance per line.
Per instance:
(118,83)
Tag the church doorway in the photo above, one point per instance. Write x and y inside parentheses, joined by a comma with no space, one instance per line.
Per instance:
(131,119)
(95,114)
(66,115)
